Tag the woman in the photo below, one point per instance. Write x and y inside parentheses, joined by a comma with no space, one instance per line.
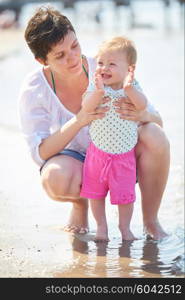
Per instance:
(55,125)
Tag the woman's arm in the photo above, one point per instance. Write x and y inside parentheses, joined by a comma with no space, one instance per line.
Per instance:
(58,140)
(90,111)
(35,123)
(147,116)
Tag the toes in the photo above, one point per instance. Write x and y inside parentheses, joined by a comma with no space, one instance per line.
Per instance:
(83,230)
(75,229)
(71,228)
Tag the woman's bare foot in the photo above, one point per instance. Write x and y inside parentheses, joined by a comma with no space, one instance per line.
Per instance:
(101,234)
(154,231)
(78,221)
(127,234)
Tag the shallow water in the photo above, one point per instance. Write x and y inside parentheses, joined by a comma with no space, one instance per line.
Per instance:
(160,73)
(137,259)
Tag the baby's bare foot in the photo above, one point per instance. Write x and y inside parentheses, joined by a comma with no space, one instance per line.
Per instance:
(127,235)
(101,234)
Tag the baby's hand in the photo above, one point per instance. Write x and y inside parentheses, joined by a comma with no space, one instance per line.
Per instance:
(129,78)
(98,81)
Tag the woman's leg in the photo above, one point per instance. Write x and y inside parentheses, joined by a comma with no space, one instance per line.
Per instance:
(153,158)
(61,179)
(98,210)
(125,215)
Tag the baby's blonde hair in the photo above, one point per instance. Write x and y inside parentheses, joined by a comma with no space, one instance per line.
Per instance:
(120,43)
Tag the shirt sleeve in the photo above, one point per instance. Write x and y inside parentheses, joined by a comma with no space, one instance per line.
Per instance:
(34,121)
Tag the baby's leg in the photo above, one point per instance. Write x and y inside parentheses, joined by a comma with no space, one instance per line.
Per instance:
(125,215)
(98,210)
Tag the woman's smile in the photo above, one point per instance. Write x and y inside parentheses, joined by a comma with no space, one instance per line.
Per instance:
(74,65)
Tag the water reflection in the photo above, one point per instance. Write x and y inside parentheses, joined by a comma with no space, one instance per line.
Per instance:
(133,259)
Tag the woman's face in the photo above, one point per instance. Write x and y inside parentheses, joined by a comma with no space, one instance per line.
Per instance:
(65,56)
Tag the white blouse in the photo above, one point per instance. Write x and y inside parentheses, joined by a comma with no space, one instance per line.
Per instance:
(42,113)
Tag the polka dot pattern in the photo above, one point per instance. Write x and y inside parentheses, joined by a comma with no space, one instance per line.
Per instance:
(112,134)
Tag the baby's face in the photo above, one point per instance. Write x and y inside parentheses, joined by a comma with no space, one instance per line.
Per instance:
(113,67)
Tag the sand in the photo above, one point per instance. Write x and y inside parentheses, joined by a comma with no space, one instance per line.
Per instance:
(32,242)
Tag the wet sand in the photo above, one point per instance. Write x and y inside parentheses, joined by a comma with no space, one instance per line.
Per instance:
(32,242)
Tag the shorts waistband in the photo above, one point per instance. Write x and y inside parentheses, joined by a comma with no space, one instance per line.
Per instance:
(103,154)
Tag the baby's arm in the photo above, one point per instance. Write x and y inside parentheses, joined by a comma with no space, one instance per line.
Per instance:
(92,99)
(136,97)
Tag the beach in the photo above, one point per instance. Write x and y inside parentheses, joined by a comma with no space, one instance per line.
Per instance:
(32,242)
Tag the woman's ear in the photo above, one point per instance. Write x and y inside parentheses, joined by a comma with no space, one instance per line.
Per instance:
(131,68)
(41,61)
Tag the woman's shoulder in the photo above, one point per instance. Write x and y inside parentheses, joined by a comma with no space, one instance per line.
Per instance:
(33,86)
(32,79)
(34,90)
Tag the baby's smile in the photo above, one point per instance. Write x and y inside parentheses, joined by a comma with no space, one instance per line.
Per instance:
(106,76)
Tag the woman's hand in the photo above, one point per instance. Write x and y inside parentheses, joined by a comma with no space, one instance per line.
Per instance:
(128,111)
(85,116)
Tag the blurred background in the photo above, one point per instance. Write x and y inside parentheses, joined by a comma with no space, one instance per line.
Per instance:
(31,241)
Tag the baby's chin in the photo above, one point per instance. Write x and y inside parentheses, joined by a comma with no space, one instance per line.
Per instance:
(113,85)
(107,81)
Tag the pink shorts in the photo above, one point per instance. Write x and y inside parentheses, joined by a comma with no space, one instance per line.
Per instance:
(105,172)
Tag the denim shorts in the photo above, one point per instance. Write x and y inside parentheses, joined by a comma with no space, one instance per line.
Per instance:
(68,152)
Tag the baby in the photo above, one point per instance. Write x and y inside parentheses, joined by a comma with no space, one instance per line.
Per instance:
(110,163)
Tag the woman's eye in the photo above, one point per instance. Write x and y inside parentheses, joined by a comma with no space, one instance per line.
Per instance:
(59,57)
(75,45)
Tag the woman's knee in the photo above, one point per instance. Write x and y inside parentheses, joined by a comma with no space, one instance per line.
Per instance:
(59,184)
(153,137)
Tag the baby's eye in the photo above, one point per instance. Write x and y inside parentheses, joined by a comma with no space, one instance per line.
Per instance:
(112,64)
(100,63)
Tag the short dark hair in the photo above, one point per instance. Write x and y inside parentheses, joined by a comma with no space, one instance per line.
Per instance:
(45,29)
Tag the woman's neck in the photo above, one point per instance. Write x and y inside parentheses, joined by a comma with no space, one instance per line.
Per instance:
(67,78)
(68,83)
(64,79)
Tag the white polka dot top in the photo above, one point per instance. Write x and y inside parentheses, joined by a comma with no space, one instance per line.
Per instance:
(112,134)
